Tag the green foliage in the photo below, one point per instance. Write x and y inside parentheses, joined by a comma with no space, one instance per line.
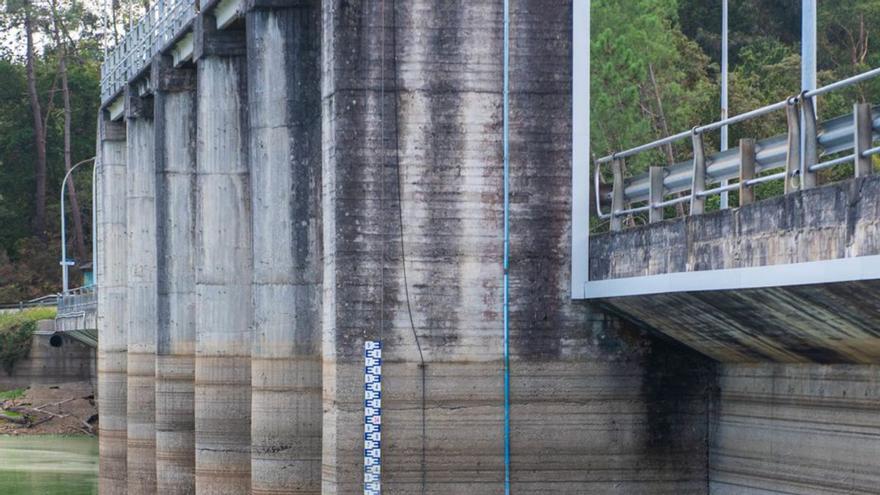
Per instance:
(29,265)
(680,42)
(648,78)
(12,394)
(16,330)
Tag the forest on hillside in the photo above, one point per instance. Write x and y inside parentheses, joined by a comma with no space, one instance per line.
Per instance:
(655,68)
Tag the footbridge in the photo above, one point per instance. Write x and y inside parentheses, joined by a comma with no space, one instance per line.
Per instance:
(343,247)
(77,315)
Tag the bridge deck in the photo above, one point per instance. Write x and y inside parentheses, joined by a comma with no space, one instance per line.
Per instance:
(831,231)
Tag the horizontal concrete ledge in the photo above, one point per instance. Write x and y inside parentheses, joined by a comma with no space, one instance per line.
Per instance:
(823,235)
(807,273)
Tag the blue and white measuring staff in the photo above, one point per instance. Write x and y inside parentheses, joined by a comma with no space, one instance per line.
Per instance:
(372,417)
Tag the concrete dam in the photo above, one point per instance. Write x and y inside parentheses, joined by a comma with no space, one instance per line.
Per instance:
(336,242)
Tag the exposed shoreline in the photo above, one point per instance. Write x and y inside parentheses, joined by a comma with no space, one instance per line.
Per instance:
(58,409)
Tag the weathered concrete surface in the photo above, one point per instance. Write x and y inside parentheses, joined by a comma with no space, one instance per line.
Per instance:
(112,320)
(141,304)
(805,429)
(828,323)
(224,266)
(285,150)
(175,360)
(412,181)
(46,364)
(839,220)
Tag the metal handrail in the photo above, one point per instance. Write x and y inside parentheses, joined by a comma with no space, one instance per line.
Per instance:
(834,136)
(80,299)
(161,25)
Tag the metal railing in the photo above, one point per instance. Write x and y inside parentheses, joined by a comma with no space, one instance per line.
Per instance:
(77,301)
(855,132)
(159,27)
(39,302)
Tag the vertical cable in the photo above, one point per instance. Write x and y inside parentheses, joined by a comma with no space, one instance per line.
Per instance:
(506,318)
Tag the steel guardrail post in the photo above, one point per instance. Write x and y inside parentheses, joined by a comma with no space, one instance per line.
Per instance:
(811,143)
(698,202)
(862,138)
(656,197)
(793,161)
(617,194)
(747,163)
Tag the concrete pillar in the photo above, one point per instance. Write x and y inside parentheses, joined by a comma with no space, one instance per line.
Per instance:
(284,150)
(141,299)
(595,405)
(175,361)
(224,261)
(112,320)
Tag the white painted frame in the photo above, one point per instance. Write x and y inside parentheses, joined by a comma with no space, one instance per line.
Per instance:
(580,149)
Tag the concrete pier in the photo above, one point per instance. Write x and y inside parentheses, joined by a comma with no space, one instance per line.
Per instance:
(141,301)
(285,150)
(224,266)
(319,173)
(413,249)
(112,322)
(175,116)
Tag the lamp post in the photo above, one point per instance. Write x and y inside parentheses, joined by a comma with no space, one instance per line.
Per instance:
(65,263)
(725,202)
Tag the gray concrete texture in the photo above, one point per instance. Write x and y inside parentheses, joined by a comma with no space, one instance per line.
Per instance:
(224,267)
(307,203)
(285,153)
(72,361)
(112,273)
(175,361)
(827,323)
(141,302)
(414,152)
(804,429)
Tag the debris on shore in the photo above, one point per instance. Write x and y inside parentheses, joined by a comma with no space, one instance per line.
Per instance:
(62,409)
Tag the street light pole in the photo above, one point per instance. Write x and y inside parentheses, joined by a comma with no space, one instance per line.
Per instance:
(65,263)
(725,198)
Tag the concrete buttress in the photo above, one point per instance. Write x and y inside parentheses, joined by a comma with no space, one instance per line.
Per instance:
(112,322)
(224,261)
(175,115)
(284,153)
(141,298)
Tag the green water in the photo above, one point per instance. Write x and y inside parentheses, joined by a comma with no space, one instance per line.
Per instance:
(48,465)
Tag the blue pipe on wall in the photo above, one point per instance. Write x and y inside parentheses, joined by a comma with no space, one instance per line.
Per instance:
(506,311)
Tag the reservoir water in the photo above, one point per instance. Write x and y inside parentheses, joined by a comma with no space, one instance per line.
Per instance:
(48,465)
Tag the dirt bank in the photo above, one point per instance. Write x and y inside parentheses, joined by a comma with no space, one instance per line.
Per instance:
(62,409)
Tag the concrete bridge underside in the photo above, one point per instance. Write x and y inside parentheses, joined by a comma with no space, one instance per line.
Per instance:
(322,173)
(798,381)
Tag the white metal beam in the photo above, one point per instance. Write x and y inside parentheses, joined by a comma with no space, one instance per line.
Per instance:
(808,273)
(580,150)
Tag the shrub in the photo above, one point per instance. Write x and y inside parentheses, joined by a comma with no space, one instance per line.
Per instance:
(16,330)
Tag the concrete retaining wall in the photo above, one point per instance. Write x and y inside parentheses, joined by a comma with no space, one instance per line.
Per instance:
(805,429)
(71,362)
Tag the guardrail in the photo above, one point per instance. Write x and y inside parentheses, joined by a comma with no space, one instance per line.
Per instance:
(77,301)
(39,302)
(648,192)
(159,27)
